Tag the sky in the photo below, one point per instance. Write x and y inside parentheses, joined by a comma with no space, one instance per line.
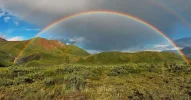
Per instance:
(24,19)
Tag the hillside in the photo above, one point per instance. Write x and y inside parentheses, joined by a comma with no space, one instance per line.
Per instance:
(139,57)
(72,49)
(45,52)
(185,44)
(2,40)
(6,59)
(40,46)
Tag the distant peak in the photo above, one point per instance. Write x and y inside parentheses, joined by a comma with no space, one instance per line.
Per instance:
(1,39)
(47,44)
(183,39)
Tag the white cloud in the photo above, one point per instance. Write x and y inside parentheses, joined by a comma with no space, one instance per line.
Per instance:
(32,29)
(76,40)
(93,51)
(165,47)
(17,38)
(2,12)
(16,23)
(6,19)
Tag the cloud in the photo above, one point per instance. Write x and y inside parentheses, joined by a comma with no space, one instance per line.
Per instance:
(32,29)
(6,19)
(164,47)
(93,51)
(17,38)
(2,12)
(103,31)
(16,23)
(109,32)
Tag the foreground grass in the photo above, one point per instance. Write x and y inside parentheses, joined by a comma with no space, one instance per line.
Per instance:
(79,82)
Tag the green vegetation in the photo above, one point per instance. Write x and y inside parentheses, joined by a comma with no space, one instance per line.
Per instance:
(110,82)
(42,52)
(49,69)
(139,57)
(5,59)
(72,49)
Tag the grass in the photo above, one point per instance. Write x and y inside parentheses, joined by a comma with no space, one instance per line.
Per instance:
(138,57)
(93,82)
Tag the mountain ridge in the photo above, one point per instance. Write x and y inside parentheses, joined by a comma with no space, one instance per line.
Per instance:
(41,51)
(185,44)
(2,40)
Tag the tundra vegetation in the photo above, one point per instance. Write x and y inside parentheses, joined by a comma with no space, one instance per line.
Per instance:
(165,81)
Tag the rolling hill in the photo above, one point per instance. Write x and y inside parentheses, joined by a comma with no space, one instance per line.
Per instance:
(45,52)
(43,49)
(6,59)
(139,57)
(2,40)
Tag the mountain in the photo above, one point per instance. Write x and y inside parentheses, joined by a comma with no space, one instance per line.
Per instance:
(47,44)
(2,40)
(139,57)
(42,49)
(72,49)
(183,42)
(43,52)
(187,51)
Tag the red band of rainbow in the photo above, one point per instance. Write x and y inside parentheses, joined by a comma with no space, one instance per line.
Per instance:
(107,12)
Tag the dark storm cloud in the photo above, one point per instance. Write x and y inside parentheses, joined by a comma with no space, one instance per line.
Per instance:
(103,33)
(106,32)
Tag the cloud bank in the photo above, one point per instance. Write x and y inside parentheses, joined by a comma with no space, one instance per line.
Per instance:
(103,32)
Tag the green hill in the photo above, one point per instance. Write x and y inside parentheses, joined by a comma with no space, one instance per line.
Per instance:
(5,59)
(45,52)
(38,48)
(139,57)
(2,40)
(72,49)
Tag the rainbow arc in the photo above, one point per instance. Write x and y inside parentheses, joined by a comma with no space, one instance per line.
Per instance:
(106,12)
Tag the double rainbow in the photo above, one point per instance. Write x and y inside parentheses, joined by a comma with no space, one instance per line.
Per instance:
(105,12)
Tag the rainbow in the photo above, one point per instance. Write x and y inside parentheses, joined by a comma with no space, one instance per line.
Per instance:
(184,21)
(106,12)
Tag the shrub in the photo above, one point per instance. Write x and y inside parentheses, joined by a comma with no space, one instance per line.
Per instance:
(48,82)
(75,82)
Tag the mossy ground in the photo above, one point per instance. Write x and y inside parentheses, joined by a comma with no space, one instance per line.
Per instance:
(110,82)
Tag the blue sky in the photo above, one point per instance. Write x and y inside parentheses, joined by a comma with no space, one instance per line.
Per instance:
(11,27)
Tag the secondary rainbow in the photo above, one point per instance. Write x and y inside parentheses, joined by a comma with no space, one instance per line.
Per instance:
(106,12)
(159,4)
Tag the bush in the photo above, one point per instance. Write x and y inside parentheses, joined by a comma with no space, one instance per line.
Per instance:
(48,82)
(75,82)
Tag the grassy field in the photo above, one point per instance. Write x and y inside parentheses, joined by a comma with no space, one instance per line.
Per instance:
(109,82)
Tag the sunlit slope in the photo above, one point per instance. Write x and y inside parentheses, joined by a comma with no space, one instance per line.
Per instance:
(139,57)
(72,49)
(5,59)
(46,59)
(1,39)
(12,47)
(41,51)
(46,50)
